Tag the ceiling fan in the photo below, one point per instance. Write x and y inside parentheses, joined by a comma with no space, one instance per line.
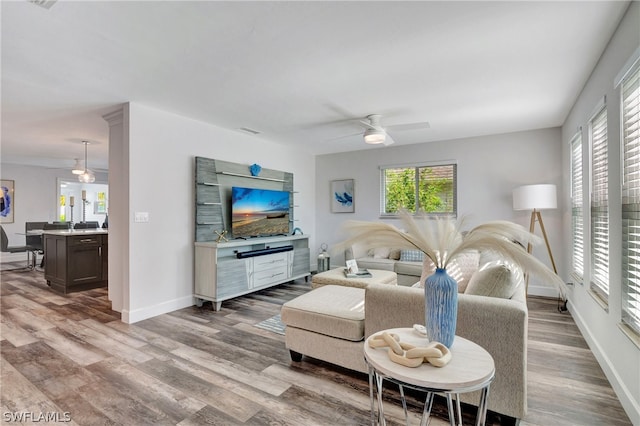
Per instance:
(375,133)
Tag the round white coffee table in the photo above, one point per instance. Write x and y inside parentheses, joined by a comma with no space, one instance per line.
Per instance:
(471,368)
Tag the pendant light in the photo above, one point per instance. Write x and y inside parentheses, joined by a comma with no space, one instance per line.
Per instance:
(78,168)
(87,176)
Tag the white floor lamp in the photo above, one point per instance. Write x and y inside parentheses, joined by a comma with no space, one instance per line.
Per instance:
(536,198)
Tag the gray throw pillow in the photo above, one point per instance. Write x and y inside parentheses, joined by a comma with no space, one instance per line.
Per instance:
(494,281)
(411,256)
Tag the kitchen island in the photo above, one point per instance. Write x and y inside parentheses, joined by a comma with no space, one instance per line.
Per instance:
(76,259)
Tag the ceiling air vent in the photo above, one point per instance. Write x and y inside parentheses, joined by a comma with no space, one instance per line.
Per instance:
(43,3)
(248,130)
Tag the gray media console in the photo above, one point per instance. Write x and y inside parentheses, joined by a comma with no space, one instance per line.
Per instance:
(230,269)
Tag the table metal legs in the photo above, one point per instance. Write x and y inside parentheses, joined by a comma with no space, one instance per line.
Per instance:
(373,408)
(378,379)
(426,411)
(481,415)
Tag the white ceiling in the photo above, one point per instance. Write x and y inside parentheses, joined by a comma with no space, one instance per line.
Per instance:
(290,69)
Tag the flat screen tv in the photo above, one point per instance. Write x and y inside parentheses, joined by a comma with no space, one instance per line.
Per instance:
(259,212)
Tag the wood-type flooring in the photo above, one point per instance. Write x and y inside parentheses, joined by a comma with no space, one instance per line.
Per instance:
(68,359)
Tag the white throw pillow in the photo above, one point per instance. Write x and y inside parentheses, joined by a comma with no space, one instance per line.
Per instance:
(381,253)
(460,269)
(494,280)
(428,268)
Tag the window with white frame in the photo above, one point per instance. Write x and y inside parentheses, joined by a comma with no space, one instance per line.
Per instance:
(577,225)
(430,188)
(599,204)
(631,199)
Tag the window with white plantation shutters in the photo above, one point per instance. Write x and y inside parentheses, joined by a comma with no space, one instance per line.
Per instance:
(631,200)
(599,204)
(577,225)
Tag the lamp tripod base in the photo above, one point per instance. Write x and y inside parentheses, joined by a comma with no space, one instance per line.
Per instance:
(537,217)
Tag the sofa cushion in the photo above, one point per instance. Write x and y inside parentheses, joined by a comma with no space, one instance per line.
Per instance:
(411,256)
(335,311)
(408,268)
(372,263)
(494,280)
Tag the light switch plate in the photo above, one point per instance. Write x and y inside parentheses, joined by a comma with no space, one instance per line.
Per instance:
(141,217)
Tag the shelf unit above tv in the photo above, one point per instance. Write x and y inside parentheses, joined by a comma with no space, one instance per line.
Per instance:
(251,176)
(213,182)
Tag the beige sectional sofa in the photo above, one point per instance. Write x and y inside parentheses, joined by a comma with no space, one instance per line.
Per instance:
(329,323)
(386,259)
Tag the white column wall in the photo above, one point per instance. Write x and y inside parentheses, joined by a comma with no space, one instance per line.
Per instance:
(119,254)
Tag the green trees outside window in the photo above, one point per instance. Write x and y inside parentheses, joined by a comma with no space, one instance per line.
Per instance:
(428,188)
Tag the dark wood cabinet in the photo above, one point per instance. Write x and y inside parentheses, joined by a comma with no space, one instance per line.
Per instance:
(76,260)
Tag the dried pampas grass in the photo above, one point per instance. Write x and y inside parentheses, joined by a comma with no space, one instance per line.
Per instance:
(441,239)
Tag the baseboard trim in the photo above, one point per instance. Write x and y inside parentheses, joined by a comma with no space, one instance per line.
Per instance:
(542,291)
(135,315)
(627,401)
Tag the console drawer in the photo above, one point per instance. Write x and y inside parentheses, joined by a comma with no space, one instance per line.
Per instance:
(269,261)
(268,276)
(270,268)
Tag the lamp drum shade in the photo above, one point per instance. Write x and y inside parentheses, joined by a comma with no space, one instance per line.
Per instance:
(535,197)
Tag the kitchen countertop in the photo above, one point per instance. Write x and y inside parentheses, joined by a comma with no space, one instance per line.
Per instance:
(72,232)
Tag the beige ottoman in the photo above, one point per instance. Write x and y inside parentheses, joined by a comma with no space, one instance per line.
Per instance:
(327,323)
(336,277)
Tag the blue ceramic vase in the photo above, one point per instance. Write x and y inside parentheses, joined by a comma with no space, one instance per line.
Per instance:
(441,307)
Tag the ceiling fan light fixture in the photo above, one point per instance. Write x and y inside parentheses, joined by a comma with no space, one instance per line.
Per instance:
(374,137)
(78,168)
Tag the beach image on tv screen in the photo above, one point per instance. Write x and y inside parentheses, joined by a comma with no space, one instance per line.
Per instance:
(257,212)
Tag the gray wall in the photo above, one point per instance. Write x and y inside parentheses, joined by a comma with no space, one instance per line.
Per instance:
(36,200)
(489,167)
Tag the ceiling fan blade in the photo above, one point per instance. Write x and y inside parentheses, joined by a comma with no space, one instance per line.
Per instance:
(388,140)
(410,126)
(369,125)
(345,136)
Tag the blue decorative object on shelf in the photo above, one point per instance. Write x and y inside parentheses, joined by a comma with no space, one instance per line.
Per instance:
(441,307)
(255,169)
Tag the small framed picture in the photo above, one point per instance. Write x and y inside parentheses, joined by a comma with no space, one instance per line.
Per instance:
(352,266)
(342,196)
(7,201)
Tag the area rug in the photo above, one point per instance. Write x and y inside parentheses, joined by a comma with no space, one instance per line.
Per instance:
(273,324)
